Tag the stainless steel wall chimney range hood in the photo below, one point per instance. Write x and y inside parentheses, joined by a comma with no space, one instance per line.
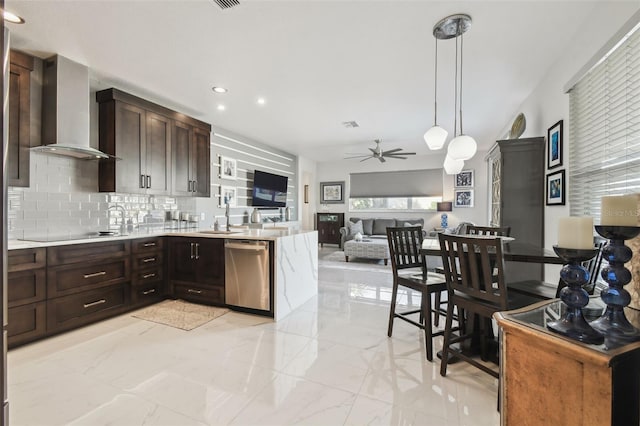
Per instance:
(65,110)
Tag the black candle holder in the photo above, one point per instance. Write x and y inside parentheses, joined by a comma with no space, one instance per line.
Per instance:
(613,323)
(572,323)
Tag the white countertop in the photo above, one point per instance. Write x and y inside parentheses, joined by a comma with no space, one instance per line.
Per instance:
(245,234)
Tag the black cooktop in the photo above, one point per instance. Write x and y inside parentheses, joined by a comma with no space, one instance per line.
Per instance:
(54,238)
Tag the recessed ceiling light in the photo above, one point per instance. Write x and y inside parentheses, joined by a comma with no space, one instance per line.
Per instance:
(221,107)
(12,17)
(219,89)
(261,101)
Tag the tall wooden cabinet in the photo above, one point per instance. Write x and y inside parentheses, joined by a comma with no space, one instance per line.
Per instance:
(328,226)
(516,170)
(191,153)
(19,123)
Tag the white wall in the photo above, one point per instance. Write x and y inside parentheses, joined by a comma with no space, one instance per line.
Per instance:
(307,176)
(548,103)
(340,170)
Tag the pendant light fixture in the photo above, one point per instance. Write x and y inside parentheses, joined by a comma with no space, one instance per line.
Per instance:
(436,136)
(462,147)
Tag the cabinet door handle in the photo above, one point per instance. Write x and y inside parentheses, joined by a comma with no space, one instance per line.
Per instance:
(197,251)
(149,259)
(148,181)
(95,274)
(142,181)
(153,290)
(97,302)
(149,275)
(192,256)
(150,244)
(190,186)
(195,186)
(194,291)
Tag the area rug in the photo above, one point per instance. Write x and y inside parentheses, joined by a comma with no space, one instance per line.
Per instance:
(180,314)
(336,260)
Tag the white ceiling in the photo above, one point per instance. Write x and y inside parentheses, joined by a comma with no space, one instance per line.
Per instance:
(317,63)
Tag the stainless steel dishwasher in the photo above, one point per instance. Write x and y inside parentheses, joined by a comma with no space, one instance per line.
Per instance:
(246,281)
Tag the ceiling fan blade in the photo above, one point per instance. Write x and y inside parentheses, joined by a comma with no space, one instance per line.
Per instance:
(401,153)
(357,156)
(382,160)
(373,150)
(368,158)
(391,151)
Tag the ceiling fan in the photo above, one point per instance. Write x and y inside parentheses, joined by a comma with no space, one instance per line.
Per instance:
(378,153)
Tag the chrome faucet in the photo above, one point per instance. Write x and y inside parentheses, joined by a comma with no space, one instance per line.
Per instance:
(123,226)
(226,212)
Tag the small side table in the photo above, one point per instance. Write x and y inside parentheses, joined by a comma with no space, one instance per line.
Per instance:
(548,379)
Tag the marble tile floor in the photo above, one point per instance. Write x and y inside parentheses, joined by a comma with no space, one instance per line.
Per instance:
(328,363)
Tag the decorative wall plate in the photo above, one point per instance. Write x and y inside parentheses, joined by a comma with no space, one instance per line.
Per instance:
(518,126)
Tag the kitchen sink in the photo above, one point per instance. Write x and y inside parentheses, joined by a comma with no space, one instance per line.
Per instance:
(220,232)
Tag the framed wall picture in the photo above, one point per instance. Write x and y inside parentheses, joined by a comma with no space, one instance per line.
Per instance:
(464,179)
(228,168)
(332,192)
(463,198)
(554,145)
(555,189)
(228,195)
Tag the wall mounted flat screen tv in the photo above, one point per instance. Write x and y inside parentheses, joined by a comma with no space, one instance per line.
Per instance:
(269,190)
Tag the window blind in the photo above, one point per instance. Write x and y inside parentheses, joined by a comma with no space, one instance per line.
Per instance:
(406,183)
(604,157)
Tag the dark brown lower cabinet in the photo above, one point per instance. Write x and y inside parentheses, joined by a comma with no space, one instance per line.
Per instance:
(147,281)
(196,269)
(26,295)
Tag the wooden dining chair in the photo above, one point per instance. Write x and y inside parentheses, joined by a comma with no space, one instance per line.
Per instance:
(404,250)
(469,265)
(502,231)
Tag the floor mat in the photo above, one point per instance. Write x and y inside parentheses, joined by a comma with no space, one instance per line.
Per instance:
(180,314)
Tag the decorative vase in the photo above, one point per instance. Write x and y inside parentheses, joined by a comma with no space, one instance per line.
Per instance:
(613,323)
(256,216)
(572,323)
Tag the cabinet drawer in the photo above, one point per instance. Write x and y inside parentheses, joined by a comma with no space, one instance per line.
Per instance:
(26,323)
(26,287)
(68,279)
(144,245)
(147,260)
(207,295)
(82,308)
(21,260)
(148,275)
(87,252)
(147,293)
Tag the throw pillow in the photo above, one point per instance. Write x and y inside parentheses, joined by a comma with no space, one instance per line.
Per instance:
(355,228)
(407,224)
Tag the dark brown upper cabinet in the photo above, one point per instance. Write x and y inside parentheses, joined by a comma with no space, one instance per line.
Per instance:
(159,149)
(20,69)
(191,167)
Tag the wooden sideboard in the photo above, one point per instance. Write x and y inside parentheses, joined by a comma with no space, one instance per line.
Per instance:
(547,379)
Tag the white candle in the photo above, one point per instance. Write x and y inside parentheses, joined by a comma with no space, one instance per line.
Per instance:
(575,232)
(619,211)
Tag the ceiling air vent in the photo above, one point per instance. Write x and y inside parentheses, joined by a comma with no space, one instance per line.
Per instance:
(350,124)
(226,4)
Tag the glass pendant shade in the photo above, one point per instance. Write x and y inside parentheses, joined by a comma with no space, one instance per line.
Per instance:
(451,166)
(462,148)
(436,137)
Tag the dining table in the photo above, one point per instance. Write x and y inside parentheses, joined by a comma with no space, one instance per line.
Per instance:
(513,251)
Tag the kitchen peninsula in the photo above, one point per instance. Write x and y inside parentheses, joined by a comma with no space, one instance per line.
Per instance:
(60,285)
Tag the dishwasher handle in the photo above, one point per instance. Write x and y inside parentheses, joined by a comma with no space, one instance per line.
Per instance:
(247,245)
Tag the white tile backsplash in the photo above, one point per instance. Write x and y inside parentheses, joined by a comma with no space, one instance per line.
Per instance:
(63,199)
